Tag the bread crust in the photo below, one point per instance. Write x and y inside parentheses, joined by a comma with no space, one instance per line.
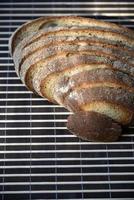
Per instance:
(93,126)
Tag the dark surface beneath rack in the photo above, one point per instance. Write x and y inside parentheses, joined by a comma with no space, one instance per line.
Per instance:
(39,158)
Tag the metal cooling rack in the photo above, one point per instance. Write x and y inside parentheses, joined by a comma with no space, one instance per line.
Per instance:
(39,158)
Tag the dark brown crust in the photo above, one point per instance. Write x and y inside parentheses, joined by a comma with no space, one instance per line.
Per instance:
(94,76)
(94,126)
(84,96)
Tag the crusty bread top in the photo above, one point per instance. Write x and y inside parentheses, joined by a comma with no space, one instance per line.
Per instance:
(35,25)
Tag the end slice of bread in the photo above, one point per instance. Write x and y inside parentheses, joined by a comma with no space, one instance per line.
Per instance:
(94,126)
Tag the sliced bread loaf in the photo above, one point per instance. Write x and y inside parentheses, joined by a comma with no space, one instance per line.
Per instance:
(100,36)
(83,78)
(84,64)
(71,61)
(48,23)
(116,103)
(28,67)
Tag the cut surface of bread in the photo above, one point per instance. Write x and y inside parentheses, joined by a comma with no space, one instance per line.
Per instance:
(28,31)
(103,36)
(79,99)
(120,51)
(41,53)
(69,60)
(110,94)
(117,112)
(57,83)
(91,45)
(114,108)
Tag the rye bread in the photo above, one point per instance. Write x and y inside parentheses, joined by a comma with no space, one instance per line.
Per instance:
(103,36)
(66,60)
(70,47)
(28,39)
(61,87)
(93,126)
(41,23)
(106,92)
(50,85)
(35,46)
(116,103)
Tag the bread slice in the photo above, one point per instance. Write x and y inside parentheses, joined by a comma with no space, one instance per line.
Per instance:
(58,87)
(103,36)
(55,85)
(45,52)
(93,126)
(123,53)
(45,38)
(92,75)
(48,23)
(36,46)
(62,24)
(116,103)
(67,60)
(113,37)
(89,45)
